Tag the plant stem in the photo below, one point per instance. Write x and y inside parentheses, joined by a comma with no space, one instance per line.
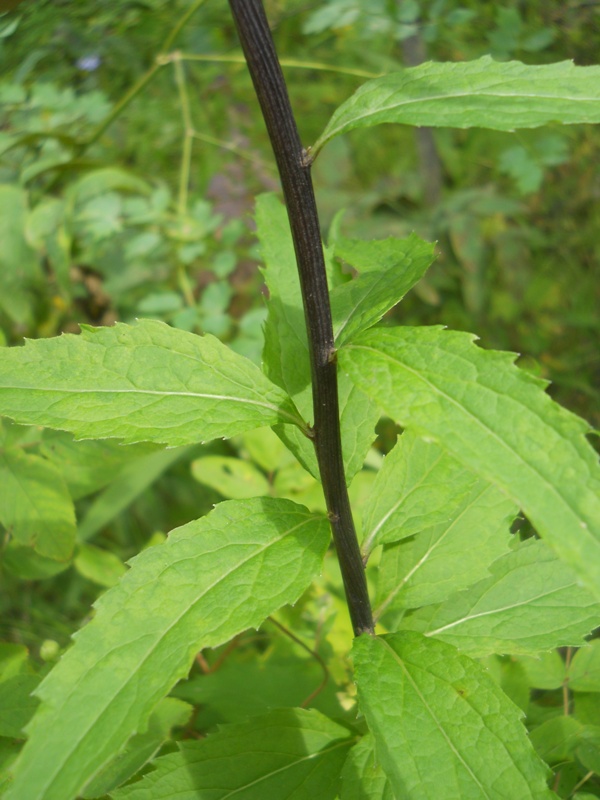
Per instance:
(294,170)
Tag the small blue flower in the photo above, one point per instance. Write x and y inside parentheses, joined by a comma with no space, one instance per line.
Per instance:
(89,63)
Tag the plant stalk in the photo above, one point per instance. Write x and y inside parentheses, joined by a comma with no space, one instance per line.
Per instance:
(294,170)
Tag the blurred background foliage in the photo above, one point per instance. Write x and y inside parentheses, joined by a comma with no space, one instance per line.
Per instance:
(131,149)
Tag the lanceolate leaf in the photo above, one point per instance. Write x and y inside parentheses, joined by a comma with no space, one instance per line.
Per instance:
(442,726)
(35,505)
(530,603)
(498,421)
(146,382)
(360,303)
(419,485)
(211,579)
(446,557)
(289,752)
(473,94)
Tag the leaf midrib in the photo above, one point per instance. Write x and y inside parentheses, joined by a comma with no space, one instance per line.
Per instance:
(160,393)
(420,376)
(155,644)
(437,722)
(483,95)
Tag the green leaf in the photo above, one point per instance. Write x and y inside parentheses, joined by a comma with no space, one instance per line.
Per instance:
(442,726)
(481,94)
(19,264)
(498,421)
(100,566)
(141,748)
(556,739)
(530,603)
(89,465)
(105,180)
(13,659)
(363,777)
(146,382)
(419,485)
(231,477)
(286,346)
(128,484)
(584,670)
(446,557)
(35,505)
(17,704)
(286,356)
(210,580)
(544,671)
(280,676)
(389,268)
(25,563)
(289,752)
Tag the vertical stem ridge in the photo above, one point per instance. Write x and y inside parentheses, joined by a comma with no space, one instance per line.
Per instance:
(294,170)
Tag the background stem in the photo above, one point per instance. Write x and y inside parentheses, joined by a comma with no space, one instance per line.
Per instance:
(294,170)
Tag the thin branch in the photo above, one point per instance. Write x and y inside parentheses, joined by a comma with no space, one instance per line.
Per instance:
(313,653)
(294,170)
(188,132)
(294,63)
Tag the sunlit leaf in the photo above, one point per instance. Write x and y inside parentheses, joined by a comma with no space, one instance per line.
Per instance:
(146,382)
(530,603)
(498,421)
(443,558)
(210,580)
(442,726)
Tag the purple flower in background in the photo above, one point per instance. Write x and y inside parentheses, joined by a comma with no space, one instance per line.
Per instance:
(88,63)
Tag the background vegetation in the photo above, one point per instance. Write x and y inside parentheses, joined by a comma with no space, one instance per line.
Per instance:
(129,163)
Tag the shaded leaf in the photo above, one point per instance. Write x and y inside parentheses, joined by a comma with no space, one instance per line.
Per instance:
(19,265)
(584,669)
(17,705)
(286,753)
(35,505)
(441,724)
(389,268)
(363,777)
(101,566)
(127,485)
(210,580)
(168,714)
(231,477)
(286,356)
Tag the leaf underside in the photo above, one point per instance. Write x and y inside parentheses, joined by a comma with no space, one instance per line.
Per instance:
(484,93)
